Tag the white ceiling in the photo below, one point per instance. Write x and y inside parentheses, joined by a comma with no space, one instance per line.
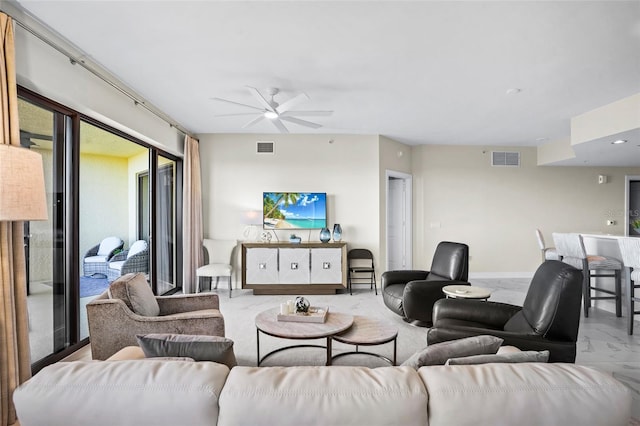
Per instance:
(420,72)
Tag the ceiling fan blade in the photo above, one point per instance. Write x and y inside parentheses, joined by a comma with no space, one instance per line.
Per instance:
(260,98)
(236,103)
(304,123)
(239,113)
(280,126)
(292,102)
(254,121)
(307,113)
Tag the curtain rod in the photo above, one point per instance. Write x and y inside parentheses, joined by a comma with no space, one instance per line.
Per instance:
(79,61)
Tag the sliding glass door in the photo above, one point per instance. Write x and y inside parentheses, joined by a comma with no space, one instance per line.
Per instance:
(166,227)
(101,185)
(45,289)
(107,203)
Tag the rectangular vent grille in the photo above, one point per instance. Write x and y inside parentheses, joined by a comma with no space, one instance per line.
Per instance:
(505,159)
(265,147)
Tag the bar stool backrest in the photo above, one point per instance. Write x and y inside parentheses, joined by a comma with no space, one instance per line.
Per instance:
(630,250)
(569,245)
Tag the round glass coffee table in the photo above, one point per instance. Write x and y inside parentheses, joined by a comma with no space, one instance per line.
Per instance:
(267,323)
(466,292)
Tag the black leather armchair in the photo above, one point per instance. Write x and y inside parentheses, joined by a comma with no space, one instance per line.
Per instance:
(548,320)
(412,293)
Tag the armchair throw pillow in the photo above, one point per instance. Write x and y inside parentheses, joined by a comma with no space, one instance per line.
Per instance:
(198,347)
(136,293)
(439,353)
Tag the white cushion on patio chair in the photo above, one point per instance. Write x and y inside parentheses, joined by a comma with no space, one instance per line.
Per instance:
(108,245)
(95,259)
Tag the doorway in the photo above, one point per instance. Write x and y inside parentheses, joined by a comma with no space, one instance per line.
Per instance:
(398,225)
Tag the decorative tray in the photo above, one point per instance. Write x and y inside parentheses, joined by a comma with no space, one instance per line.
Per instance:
(315,314)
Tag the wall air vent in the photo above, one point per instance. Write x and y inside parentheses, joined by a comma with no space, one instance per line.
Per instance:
(505,159)
(265,147)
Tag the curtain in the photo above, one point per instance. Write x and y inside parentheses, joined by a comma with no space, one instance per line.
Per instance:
(192,216)
(15,359)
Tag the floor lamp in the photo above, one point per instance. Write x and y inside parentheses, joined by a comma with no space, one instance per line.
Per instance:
(22,190)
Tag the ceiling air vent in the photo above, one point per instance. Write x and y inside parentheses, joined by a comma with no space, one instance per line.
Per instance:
(505,159)
(265,147)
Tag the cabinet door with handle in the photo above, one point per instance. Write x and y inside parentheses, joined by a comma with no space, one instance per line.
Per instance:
(326,266)
(294,266)
(262,266)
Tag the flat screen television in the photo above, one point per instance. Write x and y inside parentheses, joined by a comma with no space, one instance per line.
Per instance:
(294,210)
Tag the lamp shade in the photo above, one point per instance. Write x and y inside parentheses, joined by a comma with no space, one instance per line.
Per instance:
(22,190)
(251,217)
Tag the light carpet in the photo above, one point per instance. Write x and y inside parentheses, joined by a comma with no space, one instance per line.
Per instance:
(240,311)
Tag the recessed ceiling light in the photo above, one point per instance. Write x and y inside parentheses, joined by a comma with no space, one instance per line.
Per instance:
(513,91)
(619,141)
(541,139)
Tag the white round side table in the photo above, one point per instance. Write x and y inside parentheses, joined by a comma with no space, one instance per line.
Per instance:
(466,292)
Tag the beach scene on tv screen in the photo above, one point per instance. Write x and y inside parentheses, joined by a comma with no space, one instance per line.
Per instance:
(294,210)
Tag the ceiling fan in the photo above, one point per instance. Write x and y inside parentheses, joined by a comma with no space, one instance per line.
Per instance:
(275,112)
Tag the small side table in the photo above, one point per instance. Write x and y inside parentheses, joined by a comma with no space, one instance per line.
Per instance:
(466,292)
(367,331)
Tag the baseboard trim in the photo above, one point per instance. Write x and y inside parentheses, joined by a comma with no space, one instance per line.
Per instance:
(482,275)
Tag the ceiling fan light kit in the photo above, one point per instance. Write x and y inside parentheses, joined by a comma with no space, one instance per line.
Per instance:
(276,112)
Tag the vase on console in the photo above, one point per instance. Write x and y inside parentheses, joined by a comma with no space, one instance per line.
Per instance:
(337,232)
(325,235)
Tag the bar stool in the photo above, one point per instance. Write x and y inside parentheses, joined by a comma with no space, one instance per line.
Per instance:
(570,248)
(630,250)
(548,253)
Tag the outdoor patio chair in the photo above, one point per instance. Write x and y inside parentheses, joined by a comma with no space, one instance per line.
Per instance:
(136,259)
(96,259)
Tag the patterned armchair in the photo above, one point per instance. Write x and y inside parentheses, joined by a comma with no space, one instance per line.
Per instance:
(96,259)
(136,259)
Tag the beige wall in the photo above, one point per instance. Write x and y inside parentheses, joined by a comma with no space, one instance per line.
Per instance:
(496,209)
(104,204)
(234,177)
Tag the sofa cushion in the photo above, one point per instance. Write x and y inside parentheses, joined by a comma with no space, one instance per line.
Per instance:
(198,347)
(136,293)
(524,394)
(524,356)
(336,395)
(439,353)
(147,392)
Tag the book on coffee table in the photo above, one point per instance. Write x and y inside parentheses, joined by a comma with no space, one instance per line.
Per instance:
(315,314)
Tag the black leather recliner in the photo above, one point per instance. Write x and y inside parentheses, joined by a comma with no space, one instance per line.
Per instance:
(548,319)
(412,293)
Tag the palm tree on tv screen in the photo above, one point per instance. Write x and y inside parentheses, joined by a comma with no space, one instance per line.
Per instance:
(287,198)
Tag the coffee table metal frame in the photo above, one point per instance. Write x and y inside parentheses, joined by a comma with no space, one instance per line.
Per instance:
(359,339)
(347,320)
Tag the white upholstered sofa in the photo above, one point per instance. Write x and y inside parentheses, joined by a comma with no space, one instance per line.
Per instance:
(171,392)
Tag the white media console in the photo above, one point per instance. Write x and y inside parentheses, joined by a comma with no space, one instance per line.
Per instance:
(294,268)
